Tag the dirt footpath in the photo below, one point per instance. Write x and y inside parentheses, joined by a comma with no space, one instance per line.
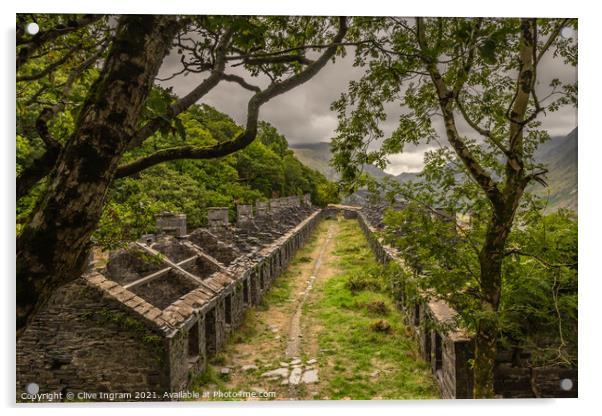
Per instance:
(275,352)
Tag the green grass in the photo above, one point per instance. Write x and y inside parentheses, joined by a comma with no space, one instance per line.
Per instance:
(209,377)
(355,349)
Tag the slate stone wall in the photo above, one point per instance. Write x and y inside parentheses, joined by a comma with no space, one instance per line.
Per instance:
(447,354)
(83,342)
(259,277)
(172,224)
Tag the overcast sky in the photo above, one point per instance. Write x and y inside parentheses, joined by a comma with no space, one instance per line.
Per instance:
(303,115)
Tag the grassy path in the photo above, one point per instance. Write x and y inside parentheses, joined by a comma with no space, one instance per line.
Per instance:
(331,307)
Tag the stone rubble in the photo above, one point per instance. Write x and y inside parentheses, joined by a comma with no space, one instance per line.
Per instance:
(295,376)
(310,376)
(279,372)
(294,373)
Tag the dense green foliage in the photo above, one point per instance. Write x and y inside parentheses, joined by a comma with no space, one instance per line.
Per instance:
(538,307)
(267,168)
(32,98)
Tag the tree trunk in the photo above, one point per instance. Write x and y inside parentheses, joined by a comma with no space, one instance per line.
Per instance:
(491,259)
(54,246)
(484,360)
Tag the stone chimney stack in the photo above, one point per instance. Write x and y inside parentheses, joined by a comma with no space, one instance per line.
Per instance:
(217,217)
(171,224)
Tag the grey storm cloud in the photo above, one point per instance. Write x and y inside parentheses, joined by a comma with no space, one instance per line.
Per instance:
(303,115)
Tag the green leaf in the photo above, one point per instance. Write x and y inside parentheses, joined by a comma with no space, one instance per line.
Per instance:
(180,128)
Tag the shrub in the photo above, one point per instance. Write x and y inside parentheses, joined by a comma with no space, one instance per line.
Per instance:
(381,325)
(358,282)
(378,307)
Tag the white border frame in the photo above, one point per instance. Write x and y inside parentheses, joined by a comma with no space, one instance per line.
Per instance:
(590,150)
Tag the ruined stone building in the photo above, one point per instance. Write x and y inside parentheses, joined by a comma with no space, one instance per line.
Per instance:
(149,319)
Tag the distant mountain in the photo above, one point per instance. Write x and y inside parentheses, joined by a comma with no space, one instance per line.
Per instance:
(559,154)
(317,156)
(404,177)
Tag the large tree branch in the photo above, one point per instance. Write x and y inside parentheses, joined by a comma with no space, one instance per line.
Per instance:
(41,166)
(446,98)
(246,137)
(243,56)
(240,81)
(544,262)
(551,39)
(29,46)
(42,127)
(192,97)
(525,83)
(278,59)
(536,59)
(537,177)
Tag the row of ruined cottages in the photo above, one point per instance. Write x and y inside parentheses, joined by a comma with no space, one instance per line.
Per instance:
(150,317)
(449,349)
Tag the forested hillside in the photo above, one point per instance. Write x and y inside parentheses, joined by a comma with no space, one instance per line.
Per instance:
(266,168)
